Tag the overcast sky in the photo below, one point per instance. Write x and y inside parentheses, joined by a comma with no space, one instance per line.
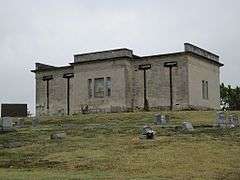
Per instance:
(51,31)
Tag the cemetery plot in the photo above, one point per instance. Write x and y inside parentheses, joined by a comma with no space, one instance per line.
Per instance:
(107,146)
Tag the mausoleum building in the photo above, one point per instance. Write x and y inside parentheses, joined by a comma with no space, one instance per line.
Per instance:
(118,80)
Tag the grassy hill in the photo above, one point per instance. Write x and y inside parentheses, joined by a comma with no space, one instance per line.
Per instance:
(107,146)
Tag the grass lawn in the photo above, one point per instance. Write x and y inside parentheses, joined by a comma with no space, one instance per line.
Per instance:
(107,146)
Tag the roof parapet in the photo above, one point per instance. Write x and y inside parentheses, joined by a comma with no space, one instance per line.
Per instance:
(199,51)
(40,66)
(115,53)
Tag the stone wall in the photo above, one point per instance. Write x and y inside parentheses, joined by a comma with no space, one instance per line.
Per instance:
(200,69)
(103,55)
(116,69)
(158,83)
(127,84)
(202,52)
(57,92)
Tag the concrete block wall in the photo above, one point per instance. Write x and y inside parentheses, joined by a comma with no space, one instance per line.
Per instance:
(127,83)
(115,69)
(103,55)
(57,92)
(198,70)
(158,83)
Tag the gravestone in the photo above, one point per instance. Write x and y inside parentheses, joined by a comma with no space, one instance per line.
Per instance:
(58,135)
(35,121)
(161,119)
(221,120)
(148,132)
(233,121)
(6,124)
(167,117)
(187,126)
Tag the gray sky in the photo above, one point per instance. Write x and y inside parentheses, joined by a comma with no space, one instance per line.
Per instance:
(51,31)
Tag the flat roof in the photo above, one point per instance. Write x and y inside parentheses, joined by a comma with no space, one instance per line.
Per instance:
(96,52)
(120,53)
(51,68)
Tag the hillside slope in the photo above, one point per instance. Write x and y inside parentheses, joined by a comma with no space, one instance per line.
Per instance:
(107,146)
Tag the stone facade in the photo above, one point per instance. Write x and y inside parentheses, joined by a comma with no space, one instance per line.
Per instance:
(122,82)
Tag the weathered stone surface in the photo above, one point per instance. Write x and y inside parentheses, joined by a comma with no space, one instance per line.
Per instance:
(187,126)
(127,83)
(191,48)
(199,70)
(221,120)
(233,121)
(103,55)
(230,121)
(148,132)
(35,121)
(115,109)
(161,119)
(58,135)
(6,124)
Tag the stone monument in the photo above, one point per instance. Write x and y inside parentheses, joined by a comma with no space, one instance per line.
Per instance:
(221,120)
(187,126)
(161,119)
(6,124)
(148,132)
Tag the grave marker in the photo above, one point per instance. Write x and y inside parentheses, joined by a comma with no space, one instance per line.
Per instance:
(233,121)
(148,132)
(6,124)
(221,120)
(187,126)
(161,119)
(58,135)
(35,121)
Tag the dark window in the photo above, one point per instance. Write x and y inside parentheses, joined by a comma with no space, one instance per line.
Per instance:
(90,88)
(204,89)
(206,86)
(99,87)
(108,86)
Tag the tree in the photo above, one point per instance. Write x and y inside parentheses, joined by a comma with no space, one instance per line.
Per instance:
(230,97)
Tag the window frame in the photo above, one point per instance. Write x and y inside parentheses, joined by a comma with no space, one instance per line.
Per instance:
(205,93)
(95,88)
(108,87)
(90,89)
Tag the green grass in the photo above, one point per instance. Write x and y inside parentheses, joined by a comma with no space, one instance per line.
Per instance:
(107,146)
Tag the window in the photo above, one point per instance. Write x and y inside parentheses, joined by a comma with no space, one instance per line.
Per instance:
(99,87)
(90,88)
(205,89)
(108,86)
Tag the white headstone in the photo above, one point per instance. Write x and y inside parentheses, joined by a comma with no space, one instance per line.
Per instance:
(187,126)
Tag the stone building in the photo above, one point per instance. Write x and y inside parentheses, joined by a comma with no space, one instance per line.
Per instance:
(117,80)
